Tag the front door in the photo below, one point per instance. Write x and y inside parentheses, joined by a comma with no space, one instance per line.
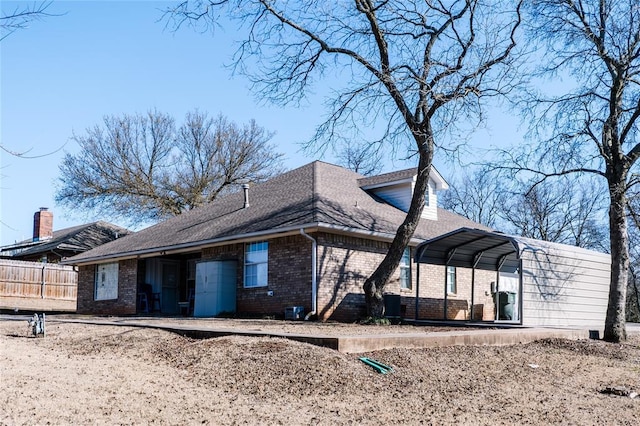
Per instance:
(170,288)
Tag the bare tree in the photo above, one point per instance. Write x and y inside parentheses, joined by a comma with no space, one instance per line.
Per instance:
(142,168)
(592,127)
(478,195)
(415,68)
(566,211)
(20,17)
(633,287)
(362,158)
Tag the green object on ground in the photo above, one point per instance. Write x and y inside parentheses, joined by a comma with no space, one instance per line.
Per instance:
(378,366)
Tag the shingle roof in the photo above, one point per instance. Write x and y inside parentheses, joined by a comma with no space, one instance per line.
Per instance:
(317,194)
(76,238)
(388,177)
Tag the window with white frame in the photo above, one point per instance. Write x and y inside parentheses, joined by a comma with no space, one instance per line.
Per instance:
(106,281)
(256,258)
(452,287)
(405,269)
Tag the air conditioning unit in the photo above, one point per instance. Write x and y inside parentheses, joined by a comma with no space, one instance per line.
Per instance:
(294,313)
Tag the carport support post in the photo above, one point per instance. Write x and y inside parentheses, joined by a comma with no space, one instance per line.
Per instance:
(473,280)
(418,256)
(473,288)
(446,267)
(446,271)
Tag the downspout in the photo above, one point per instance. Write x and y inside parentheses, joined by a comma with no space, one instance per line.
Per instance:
(314,278)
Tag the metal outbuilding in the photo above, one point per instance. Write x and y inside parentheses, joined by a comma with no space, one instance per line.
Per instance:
(537,283)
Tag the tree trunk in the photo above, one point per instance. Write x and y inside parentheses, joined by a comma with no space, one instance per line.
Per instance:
(374,285)
(614,328)
(635,288)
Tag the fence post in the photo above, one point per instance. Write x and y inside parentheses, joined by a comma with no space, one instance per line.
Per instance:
(43,282)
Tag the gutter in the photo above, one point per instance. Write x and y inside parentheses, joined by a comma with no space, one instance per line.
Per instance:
(314,274)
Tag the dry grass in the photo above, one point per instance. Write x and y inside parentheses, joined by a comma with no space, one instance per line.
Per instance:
(84,374)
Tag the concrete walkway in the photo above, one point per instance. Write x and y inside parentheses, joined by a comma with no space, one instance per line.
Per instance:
(354,343)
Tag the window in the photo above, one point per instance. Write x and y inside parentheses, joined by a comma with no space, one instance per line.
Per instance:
(452,287)
(255,264)
(405,269)
(107,281)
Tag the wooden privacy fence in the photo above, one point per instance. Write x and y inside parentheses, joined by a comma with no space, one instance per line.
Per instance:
(38,280)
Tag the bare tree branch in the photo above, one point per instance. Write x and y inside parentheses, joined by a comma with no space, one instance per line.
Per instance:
(593,127)
(415,69)
(21,16)
(142,168)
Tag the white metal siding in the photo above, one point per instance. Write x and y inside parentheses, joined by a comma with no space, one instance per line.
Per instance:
(431,207)
(398,195)
(565,287)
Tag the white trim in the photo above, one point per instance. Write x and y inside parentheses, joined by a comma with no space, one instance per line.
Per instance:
(389,183)
(435,175)
(257,264)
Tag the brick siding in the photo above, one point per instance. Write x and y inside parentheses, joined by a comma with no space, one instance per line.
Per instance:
(343,264)
(125,304)
(289,276)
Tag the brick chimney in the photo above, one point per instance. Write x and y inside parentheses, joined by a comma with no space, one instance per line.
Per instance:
(42,224)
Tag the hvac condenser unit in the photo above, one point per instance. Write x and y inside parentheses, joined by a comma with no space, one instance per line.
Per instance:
(294,313)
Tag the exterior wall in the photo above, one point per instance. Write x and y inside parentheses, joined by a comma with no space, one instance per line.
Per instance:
(399,195)
(431,304)
(345,262)
(125,304)
(565,288)
(289,276)
(430,210)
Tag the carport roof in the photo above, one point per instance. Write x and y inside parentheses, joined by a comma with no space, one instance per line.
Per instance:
(474,248)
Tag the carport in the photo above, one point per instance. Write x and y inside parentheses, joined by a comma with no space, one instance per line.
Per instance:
(546,284)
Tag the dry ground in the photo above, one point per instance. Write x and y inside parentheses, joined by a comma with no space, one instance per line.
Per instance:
(89,374)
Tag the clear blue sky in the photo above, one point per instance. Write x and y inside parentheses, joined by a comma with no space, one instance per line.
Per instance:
(65,73)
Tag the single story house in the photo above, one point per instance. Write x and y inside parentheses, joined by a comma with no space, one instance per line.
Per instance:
(51,246)
(303,241)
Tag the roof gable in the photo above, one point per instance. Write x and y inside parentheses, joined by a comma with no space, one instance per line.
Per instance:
(396,188)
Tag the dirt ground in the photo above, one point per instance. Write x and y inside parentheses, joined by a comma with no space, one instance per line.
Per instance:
(99,374)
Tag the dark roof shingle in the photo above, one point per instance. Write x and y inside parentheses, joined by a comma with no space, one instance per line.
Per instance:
(317,194)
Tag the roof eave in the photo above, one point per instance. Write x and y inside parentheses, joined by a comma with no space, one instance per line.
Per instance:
(390,183)
(188,247)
